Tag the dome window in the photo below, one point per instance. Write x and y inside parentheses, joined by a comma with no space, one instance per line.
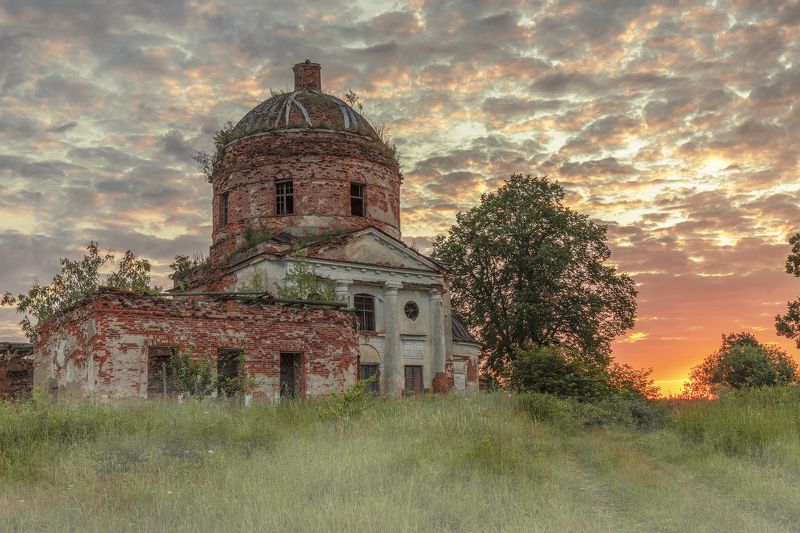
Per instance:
(358,203)
(284,197)
(412,310)
(223,209)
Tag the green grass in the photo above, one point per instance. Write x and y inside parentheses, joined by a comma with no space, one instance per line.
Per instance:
(491,462)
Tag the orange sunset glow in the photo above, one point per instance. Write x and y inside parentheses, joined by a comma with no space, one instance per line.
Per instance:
(673,123)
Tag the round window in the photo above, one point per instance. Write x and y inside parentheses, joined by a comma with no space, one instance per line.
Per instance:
(412,311)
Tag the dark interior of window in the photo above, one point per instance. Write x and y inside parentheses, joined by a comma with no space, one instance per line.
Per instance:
(357,201)
(290,374)
(364,305)
(223,209)
(158,371)
(414,379)
(366,371)
(284,198)
(228,371)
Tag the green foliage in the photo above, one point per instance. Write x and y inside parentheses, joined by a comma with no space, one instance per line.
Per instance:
(190,374)
(566,373)
(302,283)
(209,163)
(572,414)
(77,280)
(236,386)
(350,402)
(745,422)
(183,267)
(788,325)
(741,362)
(255,283)
(525,268)
(559,371)
(252,237)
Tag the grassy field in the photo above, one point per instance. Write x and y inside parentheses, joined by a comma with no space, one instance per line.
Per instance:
(491,462)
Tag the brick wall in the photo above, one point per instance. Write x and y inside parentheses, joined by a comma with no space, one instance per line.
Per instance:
(16,377)
(100,347)
(321,164)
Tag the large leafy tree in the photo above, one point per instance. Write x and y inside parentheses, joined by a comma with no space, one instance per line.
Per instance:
(76,280)
(788,325)
(741,362)
(526,269)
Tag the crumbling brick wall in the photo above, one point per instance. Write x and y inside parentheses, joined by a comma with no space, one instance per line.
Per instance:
(16,377)
(321,164)
(100,347)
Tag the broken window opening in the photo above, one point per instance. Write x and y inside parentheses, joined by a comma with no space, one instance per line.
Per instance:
(364,304)
(229,371)
(368,370)
(284,197)
(223,209)
(290,383)
(159,373)
(413,375)
(358,204)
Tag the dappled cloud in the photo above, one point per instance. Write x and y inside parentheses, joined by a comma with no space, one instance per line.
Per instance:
(675,123)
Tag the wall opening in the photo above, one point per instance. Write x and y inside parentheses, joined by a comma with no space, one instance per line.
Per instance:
(229,371)
(364,305)
(284,197)
(368,370)
(159,375)
(413,375)
(291,366)
(358,204)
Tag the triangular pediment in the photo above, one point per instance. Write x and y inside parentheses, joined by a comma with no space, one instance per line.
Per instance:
(371,247)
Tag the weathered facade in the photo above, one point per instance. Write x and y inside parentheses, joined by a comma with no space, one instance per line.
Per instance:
(304,177)
(16,370)
(106,346)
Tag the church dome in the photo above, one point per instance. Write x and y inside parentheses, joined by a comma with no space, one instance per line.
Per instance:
(307,107)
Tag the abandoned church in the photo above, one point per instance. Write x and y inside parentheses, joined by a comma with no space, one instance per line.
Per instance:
(303,177)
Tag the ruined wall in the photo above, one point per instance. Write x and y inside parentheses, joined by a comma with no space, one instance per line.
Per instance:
(101,347)
(321,164)
(16,377)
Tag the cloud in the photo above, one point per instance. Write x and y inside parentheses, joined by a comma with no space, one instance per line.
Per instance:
(675,123)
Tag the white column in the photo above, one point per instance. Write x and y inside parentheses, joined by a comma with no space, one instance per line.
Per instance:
(438,343)
(393,356)
(343,291)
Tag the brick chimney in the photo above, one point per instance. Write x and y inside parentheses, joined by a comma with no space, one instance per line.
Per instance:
(307,76)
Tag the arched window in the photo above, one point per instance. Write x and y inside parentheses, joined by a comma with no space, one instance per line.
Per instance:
(364,305)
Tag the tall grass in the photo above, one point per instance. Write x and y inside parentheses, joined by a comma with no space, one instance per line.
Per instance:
(491,462)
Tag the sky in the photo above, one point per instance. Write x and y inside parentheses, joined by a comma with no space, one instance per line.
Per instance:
(674,123)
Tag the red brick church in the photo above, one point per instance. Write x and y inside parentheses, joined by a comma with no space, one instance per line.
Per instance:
(304,177)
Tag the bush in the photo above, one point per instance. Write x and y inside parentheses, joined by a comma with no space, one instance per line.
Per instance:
(570,413)
(558,371)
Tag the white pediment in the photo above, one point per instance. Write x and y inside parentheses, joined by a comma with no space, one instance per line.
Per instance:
(371,247)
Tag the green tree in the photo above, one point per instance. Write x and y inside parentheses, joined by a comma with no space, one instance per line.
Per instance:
(788,325)
(76,280)
(303,283)
(526,269)
(556,370)
(741,362)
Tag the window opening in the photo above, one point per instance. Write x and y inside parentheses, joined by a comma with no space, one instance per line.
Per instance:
(223,209)
(413,376)
(366,371)
(159,382)
(284,198)
(290,374)
(358,207)
(229,371)
(364,305)
(411,310)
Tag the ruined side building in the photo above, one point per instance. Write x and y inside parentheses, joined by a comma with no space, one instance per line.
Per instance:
(304,177)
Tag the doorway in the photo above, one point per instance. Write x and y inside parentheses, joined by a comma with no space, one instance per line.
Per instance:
(291,363)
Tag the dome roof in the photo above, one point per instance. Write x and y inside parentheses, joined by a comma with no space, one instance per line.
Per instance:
(304,108)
